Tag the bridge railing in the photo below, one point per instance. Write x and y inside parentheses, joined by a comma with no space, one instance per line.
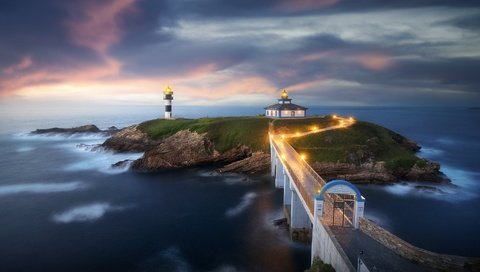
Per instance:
(307,195)
(307,191)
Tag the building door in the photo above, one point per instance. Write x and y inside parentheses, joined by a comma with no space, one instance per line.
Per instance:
(292,113)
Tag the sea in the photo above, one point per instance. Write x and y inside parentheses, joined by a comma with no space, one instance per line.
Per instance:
(64,208)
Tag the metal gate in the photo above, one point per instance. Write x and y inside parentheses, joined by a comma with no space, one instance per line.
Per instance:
(338,210)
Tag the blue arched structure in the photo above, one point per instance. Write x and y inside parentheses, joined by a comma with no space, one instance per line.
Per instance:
(340,182)
(341,187)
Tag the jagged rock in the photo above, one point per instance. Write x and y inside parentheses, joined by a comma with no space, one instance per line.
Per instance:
(129,139)
(376,172)
(362,173)
(80,129)
(122,164)
(184,148)
(257,163)
(234,154)
(359,155)
(112,130)
(428,172)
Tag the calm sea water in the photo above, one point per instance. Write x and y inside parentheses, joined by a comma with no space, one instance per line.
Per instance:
(62,207)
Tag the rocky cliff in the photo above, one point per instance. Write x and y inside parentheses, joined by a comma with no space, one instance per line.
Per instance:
(129,139)
(184,146)
(376,172)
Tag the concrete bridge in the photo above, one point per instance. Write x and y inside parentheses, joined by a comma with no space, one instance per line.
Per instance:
(329,214)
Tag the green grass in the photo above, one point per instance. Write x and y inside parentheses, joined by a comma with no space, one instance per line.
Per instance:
(225,132)
(362,137)
(288,126)
(329,146)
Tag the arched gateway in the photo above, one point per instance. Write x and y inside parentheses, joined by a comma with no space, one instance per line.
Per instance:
(343,196)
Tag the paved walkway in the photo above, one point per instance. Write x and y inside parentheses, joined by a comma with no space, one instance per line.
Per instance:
(376,256)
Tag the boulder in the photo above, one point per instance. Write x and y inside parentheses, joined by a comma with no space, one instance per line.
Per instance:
(184,148)
(129,139)
(257,163)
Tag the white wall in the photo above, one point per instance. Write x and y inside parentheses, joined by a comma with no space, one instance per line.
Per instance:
(325,247)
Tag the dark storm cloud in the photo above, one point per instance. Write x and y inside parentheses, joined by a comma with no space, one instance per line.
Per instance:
(255,8)
(36,29)
(333,48)
(468,22)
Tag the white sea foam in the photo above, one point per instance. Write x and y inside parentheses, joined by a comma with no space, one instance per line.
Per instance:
(234,179)
(176,260)
(428,152)
(61,136)
(102,161)
(40,188)
(246,201)
(449,193)
(86,213)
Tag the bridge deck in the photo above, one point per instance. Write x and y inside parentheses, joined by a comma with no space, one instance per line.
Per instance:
(307,181)
(375,255)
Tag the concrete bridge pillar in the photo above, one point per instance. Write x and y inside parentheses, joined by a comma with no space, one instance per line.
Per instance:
(287,191)
(299,217)
(279,175)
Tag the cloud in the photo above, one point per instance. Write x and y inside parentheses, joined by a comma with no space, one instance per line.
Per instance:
(306,4)
(125,51)
(96,25)
(374,61)
(23,64)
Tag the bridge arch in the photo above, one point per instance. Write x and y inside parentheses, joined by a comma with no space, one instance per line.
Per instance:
(341,187)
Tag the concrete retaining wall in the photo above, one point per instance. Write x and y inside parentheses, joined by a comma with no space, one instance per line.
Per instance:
(430,259)
(327,248)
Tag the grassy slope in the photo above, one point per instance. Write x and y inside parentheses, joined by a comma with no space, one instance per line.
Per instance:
(334,145)
(331,146)
(226,132)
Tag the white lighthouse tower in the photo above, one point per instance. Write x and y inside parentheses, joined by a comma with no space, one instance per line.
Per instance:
(168,92)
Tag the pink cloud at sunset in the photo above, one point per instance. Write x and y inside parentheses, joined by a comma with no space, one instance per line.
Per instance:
(374,61)
(97,25)
(24,63)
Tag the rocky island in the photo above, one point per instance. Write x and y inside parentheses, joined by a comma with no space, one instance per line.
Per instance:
(362,153)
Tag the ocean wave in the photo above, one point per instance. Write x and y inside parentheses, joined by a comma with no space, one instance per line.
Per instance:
(429,152)
(61,136)
(41,188)
(447,192)
(102,161)
(246,201)
(170,259)
(86,213)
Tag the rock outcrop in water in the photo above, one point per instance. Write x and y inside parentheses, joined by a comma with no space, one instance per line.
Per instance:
(74,130)
(129,139)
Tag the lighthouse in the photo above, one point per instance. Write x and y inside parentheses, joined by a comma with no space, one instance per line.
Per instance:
(168,92)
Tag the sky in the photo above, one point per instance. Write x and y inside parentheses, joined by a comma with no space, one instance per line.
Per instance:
(239,52)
